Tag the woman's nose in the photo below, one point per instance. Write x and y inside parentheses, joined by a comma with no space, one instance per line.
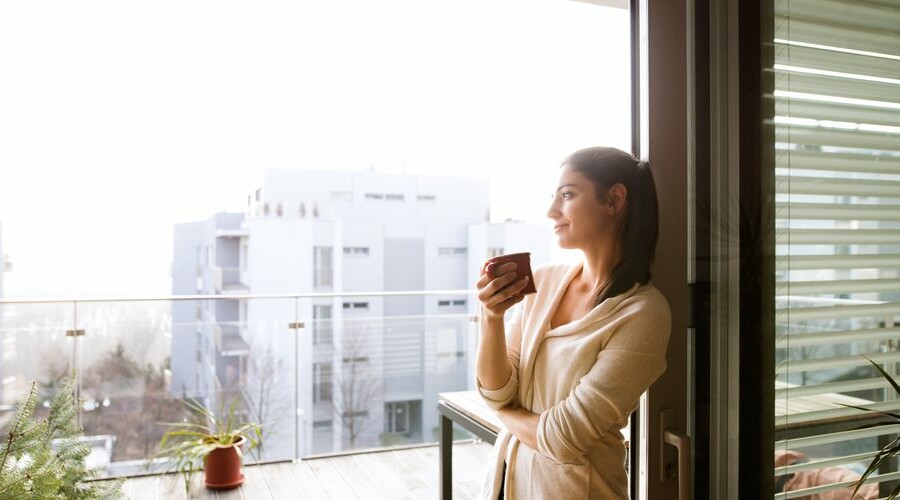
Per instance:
(553,210)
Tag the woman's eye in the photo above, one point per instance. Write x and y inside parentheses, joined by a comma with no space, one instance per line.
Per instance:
(566,195)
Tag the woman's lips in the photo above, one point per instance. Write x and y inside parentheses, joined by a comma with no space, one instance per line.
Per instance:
(558,227)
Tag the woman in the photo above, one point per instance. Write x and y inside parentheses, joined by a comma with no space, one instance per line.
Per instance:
(567,371)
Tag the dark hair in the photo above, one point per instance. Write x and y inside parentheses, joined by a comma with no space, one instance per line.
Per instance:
(606,167)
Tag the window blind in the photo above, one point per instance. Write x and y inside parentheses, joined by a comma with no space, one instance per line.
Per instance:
(837,206)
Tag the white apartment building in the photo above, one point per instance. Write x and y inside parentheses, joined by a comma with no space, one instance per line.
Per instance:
(370,367)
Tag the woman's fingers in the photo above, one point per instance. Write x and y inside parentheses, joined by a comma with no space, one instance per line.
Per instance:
(497,272)
(494,299)
(506,304)
(495,286)
(504,268)
(513,289)
(501,292)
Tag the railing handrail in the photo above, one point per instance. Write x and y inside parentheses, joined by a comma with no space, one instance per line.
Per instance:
(319,295)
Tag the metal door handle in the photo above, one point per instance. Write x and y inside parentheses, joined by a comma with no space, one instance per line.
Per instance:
(682,444)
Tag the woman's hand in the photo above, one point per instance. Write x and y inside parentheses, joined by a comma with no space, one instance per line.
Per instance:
(499,294)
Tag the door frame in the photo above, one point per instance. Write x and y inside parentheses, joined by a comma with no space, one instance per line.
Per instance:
(660,90)
(735,258)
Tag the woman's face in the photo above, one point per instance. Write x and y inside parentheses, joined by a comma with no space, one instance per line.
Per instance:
(580,219)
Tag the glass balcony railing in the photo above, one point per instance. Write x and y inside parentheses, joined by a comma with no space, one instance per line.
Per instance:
(323,373)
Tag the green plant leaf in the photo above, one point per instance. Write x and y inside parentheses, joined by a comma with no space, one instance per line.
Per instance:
(894,493)
(889,450)
(187,443)
(886,376)
(885,413)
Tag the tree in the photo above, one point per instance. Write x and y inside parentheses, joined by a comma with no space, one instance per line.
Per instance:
(359,388)
(127,401)
(45,458)
(56,370)
(264,397)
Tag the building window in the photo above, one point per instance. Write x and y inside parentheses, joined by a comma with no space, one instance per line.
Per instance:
(383,196)
(322,268)
(322,424)
(452,251)
(494,251)
(443,303)
(459,302)
(396,417)
(426,198)
(356,305)
(321,382)
(341,196)
(322,325)
(356,250)
(448,303)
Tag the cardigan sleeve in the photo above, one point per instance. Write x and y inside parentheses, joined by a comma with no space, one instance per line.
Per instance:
(499,398)
(634,357)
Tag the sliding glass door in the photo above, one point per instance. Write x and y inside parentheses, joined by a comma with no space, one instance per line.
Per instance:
(837,241)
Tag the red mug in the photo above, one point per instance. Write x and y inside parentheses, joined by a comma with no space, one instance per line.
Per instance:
(523,268)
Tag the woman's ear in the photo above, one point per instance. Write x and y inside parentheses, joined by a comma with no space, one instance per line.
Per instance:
(615,197)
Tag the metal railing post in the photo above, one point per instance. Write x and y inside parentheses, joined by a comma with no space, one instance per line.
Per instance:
(295,327)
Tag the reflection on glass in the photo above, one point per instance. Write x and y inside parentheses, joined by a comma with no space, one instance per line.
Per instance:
(374,383)
(837,241)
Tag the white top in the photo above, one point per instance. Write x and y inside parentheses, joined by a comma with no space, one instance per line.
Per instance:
(584,379)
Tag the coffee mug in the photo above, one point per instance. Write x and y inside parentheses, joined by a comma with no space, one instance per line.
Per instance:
(523,268)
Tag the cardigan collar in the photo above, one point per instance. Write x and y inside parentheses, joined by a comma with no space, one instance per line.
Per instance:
(597,313)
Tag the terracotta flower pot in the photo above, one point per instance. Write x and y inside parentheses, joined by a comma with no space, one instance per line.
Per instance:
(223,467)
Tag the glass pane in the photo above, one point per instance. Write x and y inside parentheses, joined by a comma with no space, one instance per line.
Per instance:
(124,361)
(377,384)
(28,333)
(141,359)
(837,234)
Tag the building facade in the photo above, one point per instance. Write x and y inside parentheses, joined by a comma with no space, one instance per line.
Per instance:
(367,369)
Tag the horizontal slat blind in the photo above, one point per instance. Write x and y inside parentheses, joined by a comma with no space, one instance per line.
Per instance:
(837,183)
(840,162)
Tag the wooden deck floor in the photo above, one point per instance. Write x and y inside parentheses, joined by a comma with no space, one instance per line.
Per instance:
(401,474)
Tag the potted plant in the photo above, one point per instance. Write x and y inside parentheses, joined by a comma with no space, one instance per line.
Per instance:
(891,449)
(209,443)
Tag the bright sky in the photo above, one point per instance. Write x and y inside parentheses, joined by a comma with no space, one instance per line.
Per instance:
(120,119)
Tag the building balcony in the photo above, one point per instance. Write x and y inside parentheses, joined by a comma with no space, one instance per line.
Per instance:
(230,280)
(229,342)
(233,233)
(136,359)
(406,473)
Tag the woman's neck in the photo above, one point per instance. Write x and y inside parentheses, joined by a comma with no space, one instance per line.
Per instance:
(599,263)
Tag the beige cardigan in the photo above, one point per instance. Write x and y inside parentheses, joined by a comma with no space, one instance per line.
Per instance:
(584,379)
